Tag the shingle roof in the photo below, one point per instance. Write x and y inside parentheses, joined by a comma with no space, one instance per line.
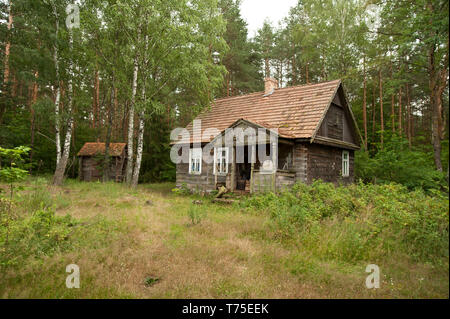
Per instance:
(91,149)
(296,111)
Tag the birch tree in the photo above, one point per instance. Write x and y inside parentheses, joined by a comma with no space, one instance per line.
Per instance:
(58,177)
(180,37)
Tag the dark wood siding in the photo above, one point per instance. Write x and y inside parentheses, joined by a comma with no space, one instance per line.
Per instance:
(333,124)
(325,163)
(310,162)
(337,125)
(90,168)
(300,162)
(199,182)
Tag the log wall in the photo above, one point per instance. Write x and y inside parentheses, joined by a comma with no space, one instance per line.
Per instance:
(325,163)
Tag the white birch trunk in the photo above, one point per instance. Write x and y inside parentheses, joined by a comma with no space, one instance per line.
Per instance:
(57,101)
(58,93)
(61,167)
(129,169)
(57,126)
(140,147)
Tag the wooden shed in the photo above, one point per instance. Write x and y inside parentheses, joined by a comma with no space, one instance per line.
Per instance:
(91,156)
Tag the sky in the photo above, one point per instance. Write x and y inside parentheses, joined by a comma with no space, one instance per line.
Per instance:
(256,11)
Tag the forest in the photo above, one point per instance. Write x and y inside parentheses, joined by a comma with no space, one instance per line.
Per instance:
(120,71)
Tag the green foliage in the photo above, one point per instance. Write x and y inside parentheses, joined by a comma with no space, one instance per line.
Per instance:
(30,229)
(156,163)
(35,197)
(196,214)
(41,233)
(150,281)
(14,172)
(242,61)
(395,162)
(182,190)
(359,221)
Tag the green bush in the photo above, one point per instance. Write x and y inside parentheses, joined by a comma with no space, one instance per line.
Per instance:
(395,162)
(359,221)
(41,233)
(182,190)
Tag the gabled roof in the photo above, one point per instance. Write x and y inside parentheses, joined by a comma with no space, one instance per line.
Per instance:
(91,149)
(295,111)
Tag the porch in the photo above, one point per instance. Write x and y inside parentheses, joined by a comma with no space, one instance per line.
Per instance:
(268,174)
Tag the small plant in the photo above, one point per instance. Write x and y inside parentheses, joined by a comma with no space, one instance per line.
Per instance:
(12,173)
(182,190)
(195,214)
(150,281)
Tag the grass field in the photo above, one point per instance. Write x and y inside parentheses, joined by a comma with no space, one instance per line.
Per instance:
(142,244)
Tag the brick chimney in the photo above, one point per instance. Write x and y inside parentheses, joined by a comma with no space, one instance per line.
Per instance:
(270,84)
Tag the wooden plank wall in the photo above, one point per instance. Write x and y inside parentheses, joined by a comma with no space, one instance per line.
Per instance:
(90,170)
(263,183)
(300,162)
(337,125)
(325,163)
(203,182)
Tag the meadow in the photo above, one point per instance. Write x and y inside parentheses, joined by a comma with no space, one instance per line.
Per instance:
(151,242)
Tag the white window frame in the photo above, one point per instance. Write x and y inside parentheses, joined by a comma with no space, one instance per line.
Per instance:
(195,157)
(345,163)
(223,169)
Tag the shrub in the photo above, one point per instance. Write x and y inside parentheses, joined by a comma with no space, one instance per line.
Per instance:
(182,190)
(395,162)
(41,233)
(359,221)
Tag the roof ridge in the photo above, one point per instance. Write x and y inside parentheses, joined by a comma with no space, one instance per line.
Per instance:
(279,89)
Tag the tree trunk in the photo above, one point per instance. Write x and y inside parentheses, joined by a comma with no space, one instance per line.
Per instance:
(107,158)
(8,44)
(381,109)
(307,72)
(33,115)
(140,147)
(393,112)
(400,111)
(57,97)
(408,116)
(365,104)
(392,102)
(437,84)
(58,177)
(294,66)
(95,100)
(267,67)
(374,113)
(129,170)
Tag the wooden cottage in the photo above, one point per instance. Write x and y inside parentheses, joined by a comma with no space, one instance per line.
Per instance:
(91,157)
(317,136)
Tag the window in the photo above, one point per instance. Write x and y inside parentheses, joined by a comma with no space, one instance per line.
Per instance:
(345,163)
(221,160)
(195,161)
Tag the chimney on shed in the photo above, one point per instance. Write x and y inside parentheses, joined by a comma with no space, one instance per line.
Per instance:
(270,85)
